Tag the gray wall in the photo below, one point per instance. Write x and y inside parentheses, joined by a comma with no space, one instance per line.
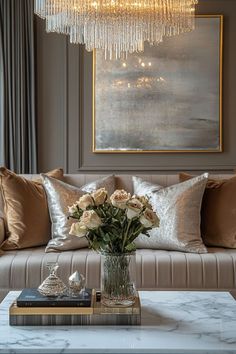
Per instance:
(64,108)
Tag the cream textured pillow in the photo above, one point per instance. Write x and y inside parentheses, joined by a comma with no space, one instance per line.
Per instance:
(178,208)
(25,210)
(60,195)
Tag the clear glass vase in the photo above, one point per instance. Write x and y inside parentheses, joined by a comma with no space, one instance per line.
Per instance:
(118,280)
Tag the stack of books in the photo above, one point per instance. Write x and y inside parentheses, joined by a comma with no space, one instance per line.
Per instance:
(33,309)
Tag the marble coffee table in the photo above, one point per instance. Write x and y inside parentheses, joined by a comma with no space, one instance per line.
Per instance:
(172,322)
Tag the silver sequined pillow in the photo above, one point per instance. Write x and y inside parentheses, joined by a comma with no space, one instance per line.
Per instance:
(60,195)
(178,208)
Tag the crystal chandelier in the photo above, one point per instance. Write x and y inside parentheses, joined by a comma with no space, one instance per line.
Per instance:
(117,26)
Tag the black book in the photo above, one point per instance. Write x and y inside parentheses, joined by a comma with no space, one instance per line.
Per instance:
(33,298)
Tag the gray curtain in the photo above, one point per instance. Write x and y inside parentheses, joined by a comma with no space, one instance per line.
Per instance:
(18,146)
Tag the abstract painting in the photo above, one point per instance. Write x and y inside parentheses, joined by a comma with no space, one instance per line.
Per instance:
(166,99)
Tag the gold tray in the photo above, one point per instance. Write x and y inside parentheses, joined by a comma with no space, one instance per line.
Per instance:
(96,314)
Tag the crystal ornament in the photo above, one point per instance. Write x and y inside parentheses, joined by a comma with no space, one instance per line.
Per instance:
(118,27)
(52,285)
(76,283)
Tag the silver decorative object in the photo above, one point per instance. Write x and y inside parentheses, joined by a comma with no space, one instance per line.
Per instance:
(52,285)
(76,283)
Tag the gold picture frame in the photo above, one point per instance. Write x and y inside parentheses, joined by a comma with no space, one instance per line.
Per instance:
(204,125)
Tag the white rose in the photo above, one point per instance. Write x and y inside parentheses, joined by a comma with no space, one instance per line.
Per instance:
(99,196)
(120,198)
(85,201)
(78,229)
(134,208)
(73,209)
(149,218)
(144,200)
(90,219)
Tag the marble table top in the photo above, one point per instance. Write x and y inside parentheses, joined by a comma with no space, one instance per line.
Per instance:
(172,322)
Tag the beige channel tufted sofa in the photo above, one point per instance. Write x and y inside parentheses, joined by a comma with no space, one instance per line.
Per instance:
(155,269)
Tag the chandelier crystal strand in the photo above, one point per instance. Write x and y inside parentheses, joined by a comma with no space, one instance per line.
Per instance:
(118,27)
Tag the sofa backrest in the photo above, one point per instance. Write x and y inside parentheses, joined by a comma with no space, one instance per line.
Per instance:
(124,181)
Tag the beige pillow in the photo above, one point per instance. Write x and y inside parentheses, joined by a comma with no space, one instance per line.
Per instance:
(2,230)
(60,195)
(2,225)
(178,208)
(218,212)
(26,212)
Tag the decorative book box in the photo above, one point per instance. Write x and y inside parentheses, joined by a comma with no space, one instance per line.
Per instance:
(95,314)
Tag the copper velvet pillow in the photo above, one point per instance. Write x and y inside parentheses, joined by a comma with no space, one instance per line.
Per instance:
(2,223)
(26,211)
(218,213)
(2,231)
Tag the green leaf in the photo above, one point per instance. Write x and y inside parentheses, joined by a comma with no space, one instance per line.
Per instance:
(131,247)
(106,237)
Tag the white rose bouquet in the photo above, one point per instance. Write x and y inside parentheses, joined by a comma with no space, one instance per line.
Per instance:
(112,225)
